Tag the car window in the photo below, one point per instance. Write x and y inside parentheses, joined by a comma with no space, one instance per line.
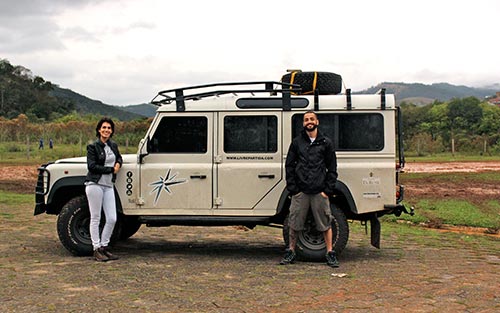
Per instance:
(181,134)
(244,134)
(349,132)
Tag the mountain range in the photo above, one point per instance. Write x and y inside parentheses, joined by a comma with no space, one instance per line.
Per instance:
(23,92)
(416,93)
(421,94)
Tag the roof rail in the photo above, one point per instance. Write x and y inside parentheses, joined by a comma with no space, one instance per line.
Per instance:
(178,94)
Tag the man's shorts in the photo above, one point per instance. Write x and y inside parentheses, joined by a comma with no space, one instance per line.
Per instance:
(320,208)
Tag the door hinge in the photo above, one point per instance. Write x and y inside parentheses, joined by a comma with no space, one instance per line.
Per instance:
(218,201)
(217,159)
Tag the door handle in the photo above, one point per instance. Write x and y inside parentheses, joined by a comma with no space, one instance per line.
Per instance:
(271,176)
(198,176)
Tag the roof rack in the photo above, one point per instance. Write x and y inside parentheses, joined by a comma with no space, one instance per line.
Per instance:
(178,94)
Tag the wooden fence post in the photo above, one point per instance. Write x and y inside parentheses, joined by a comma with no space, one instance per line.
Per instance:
(80,143)
(28,147)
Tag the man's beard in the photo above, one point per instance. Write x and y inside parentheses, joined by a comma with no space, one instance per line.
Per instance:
(310,129)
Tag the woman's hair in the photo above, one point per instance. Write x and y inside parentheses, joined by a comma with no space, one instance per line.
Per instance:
(99,124)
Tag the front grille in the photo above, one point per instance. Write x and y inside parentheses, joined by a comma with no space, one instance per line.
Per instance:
(41,189)
(42,183)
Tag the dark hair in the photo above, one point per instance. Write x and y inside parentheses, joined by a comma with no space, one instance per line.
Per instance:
(311,112)
(102,121)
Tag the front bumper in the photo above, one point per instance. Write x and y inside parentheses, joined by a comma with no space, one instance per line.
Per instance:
(41,189)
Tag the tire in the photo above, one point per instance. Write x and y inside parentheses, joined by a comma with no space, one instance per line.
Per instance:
(129,226)
(73,227)
(327,83)
(311,243)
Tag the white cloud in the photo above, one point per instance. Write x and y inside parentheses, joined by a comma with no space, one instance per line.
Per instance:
(123,52)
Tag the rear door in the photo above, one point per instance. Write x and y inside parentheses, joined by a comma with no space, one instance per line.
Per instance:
(249,158)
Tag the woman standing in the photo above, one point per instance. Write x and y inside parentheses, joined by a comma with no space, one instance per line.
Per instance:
(103,162)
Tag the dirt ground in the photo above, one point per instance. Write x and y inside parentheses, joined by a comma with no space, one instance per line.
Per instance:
(233,269)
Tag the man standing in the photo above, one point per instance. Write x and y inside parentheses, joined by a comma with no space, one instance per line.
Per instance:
(311,173)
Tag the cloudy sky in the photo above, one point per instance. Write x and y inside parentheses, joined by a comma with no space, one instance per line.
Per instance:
(124,52)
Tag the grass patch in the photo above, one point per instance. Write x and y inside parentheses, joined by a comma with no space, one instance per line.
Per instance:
(495,205)
(7,216)
(13,199)
(20,153)
(454,212)
(435,238)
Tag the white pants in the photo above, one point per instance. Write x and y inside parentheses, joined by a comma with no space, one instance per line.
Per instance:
(101,197)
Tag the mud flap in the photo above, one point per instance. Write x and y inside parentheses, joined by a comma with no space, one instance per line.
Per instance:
(375,232)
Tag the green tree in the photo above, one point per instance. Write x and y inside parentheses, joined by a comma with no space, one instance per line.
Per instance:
(413,117)
(465,115)
(490,122)
(435,120)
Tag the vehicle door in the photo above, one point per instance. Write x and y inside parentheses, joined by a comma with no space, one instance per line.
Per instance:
(177,171)
(249,158)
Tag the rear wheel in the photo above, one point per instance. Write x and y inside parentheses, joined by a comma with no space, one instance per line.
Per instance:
(310,242)
(73,227)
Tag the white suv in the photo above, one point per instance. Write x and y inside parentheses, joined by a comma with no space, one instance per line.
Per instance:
(215,155)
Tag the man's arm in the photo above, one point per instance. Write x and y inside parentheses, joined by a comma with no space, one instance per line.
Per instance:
(331,167)
(290,164)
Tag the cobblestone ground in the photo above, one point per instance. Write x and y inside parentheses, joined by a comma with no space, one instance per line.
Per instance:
(231,269)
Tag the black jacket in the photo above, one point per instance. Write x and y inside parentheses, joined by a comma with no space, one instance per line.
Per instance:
(96,158)
(311,168)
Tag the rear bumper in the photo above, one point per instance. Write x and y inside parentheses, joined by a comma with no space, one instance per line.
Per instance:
(398,209)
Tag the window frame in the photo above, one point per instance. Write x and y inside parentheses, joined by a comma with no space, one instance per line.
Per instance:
(337,130)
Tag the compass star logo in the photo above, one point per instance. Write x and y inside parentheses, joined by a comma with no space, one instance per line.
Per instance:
(165,183)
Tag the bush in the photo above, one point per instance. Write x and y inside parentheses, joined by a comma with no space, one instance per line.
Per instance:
(12,147)
(423,144)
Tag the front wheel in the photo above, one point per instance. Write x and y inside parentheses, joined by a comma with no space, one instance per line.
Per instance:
(73,225)
(311,243)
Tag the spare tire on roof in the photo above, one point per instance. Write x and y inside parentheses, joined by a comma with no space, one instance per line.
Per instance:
(327,83)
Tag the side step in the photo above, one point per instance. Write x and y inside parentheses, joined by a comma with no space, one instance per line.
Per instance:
(157,220)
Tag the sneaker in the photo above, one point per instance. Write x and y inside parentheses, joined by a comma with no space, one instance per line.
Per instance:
(109,255)
(289,257)
(331,259)
(99,255)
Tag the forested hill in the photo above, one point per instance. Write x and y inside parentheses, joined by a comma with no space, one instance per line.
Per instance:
(145,109)
(422,94)
(86,105)
(23,93)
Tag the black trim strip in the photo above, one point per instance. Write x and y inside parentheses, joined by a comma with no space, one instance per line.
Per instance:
(349,100)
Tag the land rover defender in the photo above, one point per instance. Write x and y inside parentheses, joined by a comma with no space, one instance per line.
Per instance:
(214,155)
